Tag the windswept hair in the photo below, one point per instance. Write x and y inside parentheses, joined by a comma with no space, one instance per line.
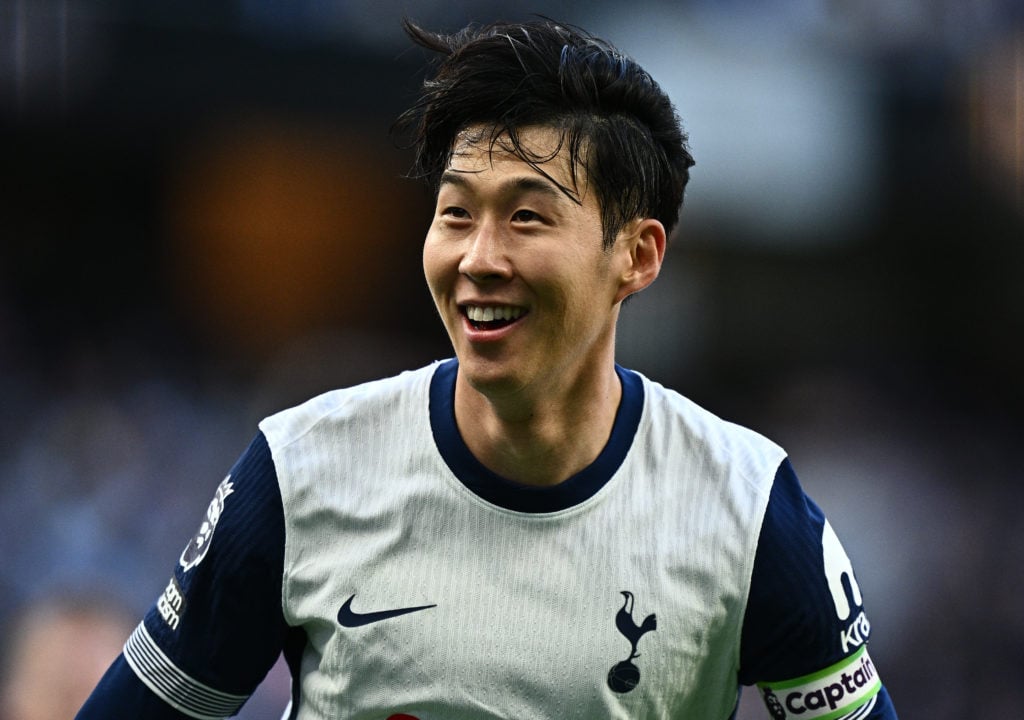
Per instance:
(616,123)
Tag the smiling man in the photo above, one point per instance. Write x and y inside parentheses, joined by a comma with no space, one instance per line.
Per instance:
(526,530)
(530,297)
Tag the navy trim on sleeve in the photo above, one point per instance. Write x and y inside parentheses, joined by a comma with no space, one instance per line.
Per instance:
(218,627)
(804,612)
(792,626)
(884,709)
(121,689)
(220,619)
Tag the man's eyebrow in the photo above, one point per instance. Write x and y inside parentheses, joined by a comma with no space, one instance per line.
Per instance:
(453,178)
(535,185)
(520,185)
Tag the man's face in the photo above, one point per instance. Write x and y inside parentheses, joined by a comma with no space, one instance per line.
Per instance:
(517,270)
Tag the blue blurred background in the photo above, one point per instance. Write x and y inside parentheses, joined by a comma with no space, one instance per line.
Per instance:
(203,220)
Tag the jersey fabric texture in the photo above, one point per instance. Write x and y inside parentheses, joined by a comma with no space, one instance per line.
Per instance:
(401,578)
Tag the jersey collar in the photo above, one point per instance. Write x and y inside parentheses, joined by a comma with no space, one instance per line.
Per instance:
(527,498)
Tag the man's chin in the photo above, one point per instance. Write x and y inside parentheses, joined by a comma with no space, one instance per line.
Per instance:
(489,378)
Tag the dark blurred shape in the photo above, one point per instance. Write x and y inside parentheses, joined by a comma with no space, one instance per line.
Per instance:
(995,109)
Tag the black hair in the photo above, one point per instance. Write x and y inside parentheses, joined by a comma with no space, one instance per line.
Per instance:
(616,122)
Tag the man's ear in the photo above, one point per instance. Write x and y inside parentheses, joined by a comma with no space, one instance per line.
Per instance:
(644,240)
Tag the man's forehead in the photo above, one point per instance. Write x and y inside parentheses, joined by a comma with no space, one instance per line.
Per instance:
(543,144)
(539,152)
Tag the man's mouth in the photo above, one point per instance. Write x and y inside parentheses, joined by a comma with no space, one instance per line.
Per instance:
(492,317)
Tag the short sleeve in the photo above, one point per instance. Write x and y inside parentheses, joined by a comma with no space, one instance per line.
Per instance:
(217,628)
(805,630)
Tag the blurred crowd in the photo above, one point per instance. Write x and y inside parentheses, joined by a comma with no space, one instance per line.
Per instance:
(203,220)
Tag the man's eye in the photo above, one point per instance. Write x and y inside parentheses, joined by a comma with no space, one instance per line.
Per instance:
(525,216)
(455,212)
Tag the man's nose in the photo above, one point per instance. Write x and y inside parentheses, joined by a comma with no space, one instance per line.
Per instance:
(485,257)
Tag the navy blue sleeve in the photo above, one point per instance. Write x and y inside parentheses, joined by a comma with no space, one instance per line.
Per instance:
(217,628)
(120,693)
(805,631)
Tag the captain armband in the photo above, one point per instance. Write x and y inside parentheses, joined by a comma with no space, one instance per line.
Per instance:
(829,694)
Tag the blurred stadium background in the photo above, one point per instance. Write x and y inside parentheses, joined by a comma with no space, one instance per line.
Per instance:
(203,220)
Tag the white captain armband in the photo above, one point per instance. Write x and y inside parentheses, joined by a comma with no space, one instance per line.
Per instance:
(172,685)
(845,690)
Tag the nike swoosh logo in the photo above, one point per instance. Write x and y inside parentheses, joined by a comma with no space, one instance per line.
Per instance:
(349,618)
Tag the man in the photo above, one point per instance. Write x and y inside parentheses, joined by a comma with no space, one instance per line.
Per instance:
(527,530)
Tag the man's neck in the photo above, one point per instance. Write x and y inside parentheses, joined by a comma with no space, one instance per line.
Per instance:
(541,439)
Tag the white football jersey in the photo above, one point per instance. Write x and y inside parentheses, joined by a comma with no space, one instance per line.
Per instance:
(403,580)
(617,595)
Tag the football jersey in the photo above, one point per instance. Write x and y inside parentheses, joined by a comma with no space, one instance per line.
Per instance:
(404,580)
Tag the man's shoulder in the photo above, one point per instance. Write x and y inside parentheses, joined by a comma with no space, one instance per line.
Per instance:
(368,401)
(679,420)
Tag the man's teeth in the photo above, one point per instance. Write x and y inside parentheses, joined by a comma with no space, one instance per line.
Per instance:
(488,314)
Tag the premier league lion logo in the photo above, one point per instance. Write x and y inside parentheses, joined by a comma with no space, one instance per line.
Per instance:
(200,543)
